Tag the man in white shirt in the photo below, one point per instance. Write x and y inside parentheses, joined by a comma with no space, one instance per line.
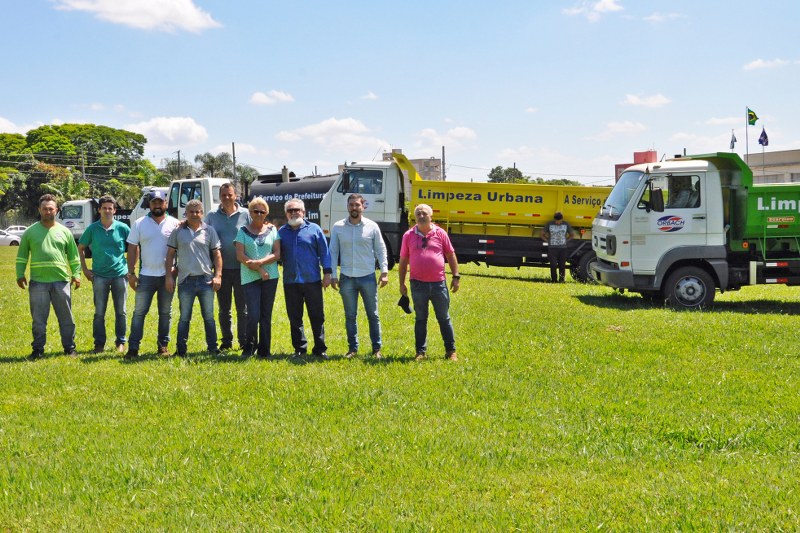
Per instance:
(148,241)
(357,245)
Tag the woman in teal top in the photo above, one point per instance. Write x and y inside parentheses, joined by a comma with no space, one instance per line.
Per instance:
(258,249)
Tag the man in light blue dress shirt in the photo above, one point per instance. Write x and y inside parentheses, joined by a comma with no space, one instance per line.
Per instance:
(357,246)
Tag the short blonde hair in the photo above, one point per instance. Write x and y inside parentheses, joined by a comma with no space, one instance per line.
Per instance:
(258,201)
(424,207)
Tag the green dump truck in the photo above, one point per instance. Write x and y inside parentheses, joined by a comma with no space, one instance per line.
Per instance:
(679,230)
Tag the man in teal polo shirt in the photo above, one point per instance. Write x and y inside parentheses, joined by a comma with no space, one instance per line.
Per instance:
(106,239)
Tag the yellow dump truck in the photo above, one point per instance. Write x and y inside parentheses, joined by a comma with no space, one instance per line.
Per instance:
(493,223)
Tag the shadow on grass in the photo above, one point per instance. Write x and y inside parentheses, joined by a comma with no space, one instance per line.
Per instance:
(205,357)
(755,307)
(490,275)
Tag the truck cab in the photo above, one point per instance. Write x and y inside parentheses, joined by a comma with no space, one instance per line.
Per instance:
(381,185)
(662,231)
(204,189)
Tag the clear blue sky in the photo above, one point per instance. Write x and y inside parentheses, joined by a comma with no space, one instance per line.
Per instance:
(561,88)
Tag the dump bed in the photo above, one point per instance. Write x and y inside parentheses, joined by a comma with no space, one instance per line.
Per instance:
(504,203)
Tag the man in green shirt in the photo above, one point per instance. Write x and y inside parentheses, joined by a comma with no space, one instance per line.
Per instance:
(106,239)
(54,262)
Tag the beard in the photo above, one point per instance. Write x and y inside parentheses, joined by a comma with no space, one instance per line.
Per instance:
(294,222)
(157,211)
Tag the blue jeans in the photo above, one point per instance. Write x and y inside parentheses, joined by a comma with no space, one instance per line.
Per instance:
(188,289)
(367,287)
(41,295)
(260,297)
(148,287)
(436,293)
(101,287)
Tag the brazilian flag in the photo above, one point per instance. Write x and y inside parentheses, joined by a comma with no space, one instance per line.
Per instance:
(751,117)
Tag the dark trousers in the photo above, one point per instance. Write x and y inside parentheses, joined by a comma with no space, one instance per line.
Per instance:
(260,297)
(558,258)
(310,294)
(232,286)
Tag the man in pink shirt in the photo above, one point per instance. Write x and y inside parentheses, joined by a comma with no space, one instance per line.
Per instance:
(426,247)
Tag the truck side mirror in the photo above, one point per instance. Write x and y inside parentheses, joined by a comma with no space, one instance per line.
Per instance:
(657,200)
(345,181)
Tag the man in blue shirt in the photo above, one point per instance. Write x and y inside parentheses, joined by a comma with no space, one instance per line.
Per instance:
(357,245)
(303,251)
(226,221)
(106,239)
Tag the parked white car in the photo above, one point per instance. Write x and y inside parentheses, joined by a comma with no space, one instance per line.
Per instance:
(6,239)
(16,230)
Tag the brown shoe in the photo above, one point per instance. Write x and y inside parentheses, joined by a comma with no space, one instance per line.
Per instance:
(350,354)
(377,354)
(451,355)
(421,356)
(163,351)
(99,348)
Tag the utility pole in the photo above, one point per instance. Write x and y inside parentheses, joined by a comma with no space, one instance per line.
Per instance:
(233,152)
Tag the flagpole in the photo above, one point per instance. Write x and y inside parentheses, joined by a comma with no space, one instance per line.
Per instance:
(746,135)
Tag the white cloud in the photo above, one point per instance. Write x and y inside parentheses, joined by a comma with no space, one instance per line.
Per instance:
(159,15)
(346,136)
(165,133)
(593,10)
(531,109)
(615,129)
(657,100)
(271,98)
(663,17)
(6,126)
(760,63)
(370,96)
(454,139)
(701,144)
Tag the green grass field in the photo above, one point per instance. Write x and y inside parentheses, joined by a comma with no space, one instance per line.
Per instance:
(571,407)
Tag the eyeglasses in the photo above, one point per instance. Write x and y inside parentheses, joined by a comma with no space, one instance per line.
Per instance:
(294,210)
(258,212)
(424,242)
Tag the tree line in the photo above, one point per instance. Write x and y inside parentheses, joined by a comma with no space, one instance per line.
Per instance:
(74,161)
(514,175)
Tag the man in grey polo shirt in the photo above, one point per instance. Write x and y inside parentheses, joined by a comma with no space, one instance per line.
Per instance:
(196,246)
(357,244)
(226,221)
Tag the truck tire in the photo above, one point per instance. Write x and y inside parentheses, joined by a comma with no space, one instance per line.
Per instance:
(389,253)
(581,270)
(689,288)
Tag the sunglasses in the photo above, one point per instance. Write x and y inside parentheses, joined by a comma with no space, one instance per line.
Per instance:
(424,242)
(258,212)
(294,210)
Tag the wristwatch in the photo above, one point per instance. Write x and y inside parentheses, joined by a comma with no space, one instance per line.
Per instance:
(456,276)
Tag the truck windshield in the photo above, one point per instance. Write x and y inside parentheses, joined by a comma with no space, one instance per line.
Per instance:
(71,211)
(621,195)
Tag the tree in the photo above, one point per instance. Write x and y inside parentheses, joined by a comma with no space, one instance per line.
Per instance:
(507,175)
(64,183)
(556,181)
(215,166)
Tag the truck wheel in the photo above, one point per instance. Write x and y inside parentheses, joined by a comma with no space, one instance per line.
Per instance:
(689,288)
(582,271)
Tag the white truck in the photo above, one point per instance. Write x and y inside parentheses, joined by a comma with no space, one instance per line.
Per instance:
(678,230)
(76,215)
